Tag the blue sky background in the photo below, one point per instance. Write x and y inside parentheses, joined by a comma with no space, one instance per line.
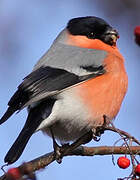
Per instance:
(27,29)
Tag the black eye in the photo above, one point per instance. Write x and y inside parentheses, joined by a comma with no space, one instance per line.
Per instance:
(91,35)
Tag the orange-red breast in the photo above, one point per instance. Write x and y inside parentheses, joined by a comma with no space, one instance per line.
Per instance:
(80,79)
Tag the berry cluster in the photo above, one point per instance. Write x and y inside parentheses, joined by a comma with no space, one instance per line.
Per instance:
(123,162)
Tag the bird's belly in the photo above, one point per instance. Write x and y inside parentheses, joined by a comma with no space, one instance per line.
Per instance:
(68,118)
(66,132)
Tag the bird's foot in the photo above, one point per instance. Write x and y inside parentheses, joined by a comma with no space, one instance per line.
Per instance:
(58,150)
(98,131)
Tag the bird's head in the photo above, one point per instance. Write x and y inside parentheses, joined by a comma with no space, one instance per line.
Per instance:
(93,28)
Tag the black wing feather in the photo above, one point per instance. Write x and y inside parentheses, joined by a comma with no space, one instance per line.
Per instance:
(41,83)
(44,79)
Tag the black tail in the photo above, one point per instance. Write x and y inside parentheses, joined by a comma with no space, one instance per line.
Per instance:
(19,145)
(35,117)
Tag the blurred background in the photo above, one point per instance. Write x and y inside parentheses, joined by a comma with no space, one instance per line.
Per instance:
(27,29)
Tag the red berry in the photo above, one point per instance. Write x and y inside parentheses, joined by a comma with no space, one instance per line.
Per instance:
(137,30)
(14,173)
(137,34)
(123,162)
(137,170)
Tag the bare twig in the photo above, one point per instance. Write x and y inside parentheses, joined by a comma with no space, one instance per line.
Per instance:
(127,135)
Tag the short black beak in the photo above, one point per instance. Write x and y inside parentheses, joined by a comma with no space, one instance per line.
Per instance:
(110,37)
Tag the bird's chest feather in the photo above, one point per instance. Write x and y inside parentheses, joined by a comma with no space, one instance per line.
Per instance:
(104,94)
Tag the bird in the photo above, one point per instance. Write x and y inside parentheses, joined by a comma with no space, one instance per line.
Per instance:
(78,81)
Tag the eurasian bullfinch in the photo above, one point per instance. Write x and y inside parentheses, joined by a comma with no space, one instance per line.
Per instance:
(79,79)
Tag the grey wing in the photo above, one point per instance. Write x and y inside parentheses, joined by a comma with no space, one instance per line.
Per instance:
(72,58)
(61,67)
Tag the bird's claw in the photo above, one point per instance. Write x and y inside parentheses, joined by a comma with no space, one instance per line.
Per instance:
(95,138)
(59,151)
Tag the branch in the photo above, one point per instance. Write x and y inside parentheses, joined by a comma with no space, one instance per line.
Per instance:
(45,160)
(77,150)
